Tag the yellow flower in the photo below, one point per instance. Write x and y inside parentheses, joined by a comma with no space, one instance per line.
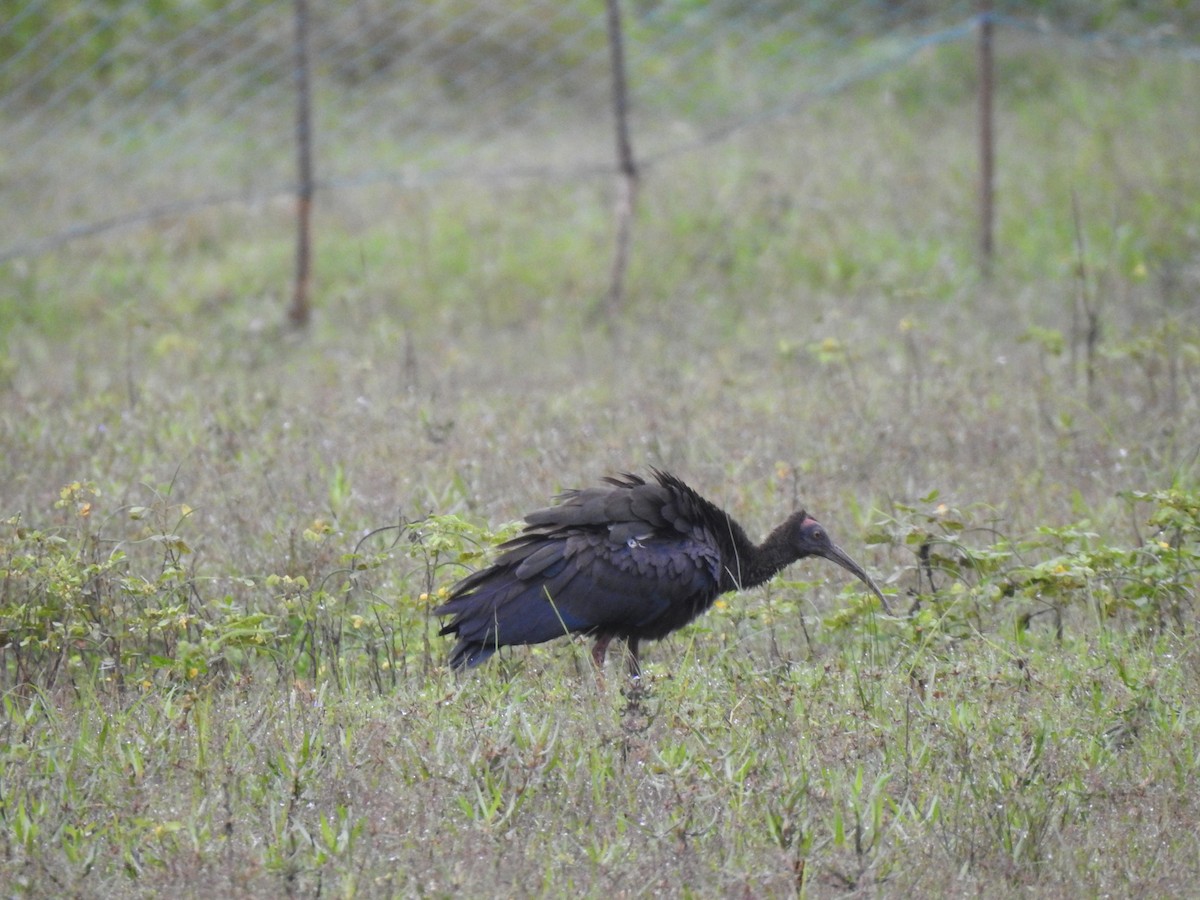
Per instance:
(831,346)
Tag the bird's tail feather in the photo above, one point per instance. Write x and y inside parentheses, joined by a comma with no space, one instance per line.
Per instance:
(469,654)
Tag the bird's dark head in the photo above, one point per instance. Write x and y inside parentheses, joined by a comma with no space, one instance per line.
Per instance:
(809,538)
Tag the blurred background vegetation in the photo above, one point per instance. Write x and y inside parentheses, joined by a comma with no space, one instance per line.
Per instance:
(49,45)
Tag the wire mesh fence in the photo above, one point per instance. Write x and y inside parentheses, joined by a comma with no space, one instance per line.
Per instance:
(117,112)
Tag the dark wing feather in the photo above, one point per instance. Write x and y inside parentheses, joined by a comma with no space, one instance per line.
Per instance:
(646,505)
(647,588)
(634,560)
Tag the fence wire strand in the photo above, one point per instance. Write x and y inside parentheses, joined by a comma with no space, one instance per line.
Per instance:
(188,106)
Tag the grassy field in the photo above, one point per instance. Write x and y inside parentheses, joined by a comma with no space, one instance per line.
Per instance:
(221,540)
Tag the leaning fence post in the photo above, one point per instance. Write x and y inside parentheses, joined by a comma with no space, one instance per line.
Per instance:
(987,150)
(626,167)
(300,310)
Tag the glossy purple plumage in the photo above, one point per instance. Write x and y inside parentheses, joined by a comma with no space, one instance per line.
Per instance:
(635,559)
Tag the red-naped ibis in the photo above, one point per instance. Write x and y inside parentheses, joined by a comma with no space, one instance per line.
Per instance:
(636,560)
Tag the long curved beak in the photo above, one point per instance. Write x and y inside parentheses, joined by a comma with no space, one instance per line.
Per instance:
(838,555)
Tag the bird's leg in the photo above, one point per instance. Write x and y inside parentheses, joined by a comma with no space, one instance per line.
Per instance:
(636,691)
(600,650)
(635,662)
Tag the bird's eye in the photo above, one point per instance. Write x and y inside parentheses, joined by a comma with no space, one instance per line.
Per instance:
(818,534)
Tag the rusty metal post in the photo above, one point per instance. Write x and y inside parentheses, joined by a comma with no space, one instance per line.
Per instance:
(627,175)
(300,311)
(987,149)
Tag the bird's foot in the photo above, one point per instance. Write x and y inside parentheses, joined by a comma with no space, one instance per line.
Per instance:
(635,691)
